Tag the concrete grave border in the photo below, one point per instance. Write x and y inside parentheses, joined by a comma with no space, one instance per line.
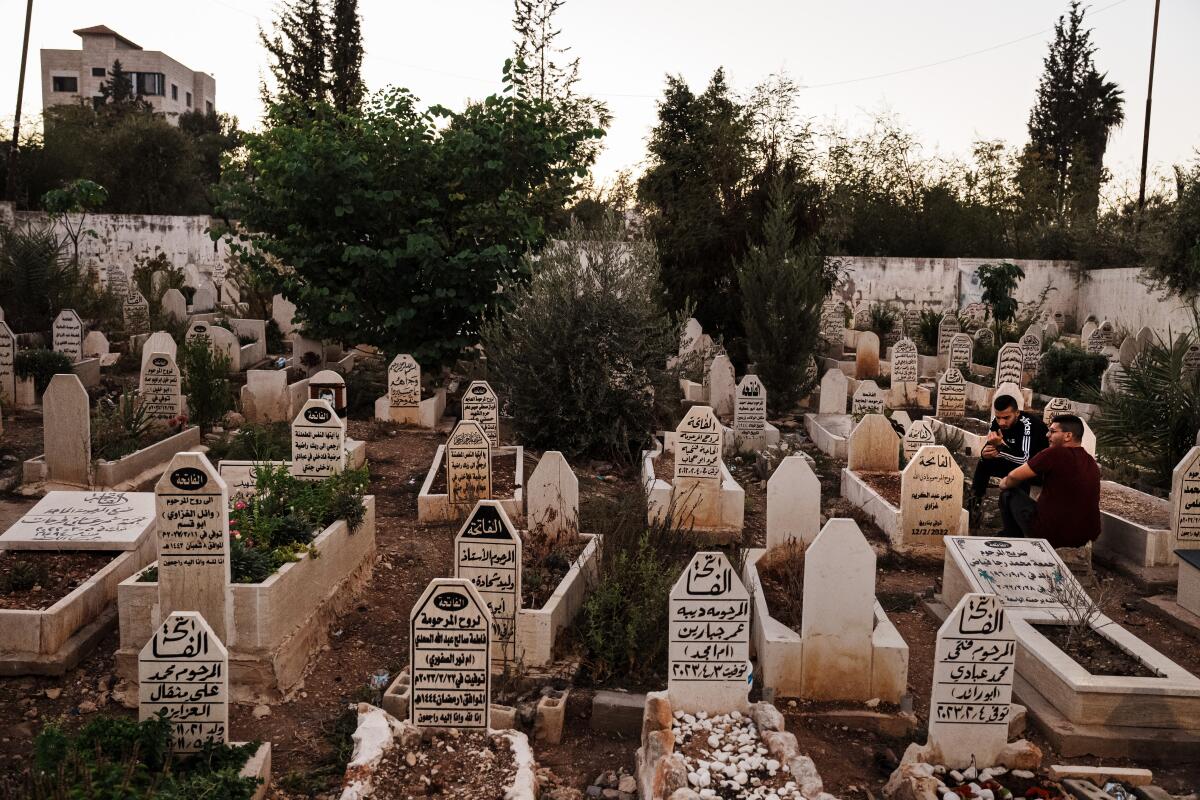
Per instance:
(438,508)
(884,514)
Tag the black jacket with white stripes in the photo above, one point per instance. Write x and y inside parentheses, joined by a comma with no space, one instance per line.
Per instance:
(1024,439)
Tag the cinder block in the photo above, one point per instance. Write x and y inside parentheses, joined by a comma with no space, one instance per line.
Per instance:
(548,724)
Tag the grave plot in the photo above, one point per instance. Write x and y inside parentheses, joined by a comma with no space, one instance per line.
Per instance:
(1091,686)
(273,609)
(701,494)
(1135,531)
(407,401)
(818,631)
(751,431)
(63,561)
(467,469)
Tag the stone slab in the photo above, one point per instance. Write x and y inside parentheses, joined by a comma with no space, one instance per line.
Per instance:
(617,712)
(1165,607)
(83,521)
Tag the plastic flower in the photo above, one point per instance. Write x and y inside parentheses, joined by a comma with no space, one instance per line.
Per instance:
(239,505)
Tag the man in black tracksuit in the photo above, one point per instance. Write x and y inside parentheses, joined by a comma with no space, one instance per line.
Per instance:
(1015,437)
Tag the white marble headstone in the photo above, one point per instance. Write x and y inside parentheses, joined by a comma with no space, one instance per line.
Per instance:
(450,656)
(904,362)
(873,445)
(161,394)
(722,386)
(931,499)
(959,351)
(1057,406)
(1185,501)
(136,312)
(318,441)
(919,434)
(552,497)
(947,328)
(67,335)
(184,671)
(868,399)
(487,552)
(834,385)
(1010,364)
(1018,571)
(750,408)
(479,404)
(793,503)
(404,389)
(83,521)
(468,464)
(952,395)
(1031,349)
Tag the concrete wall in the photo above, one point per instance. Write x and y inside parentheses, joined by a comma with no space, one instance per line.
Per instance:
(1119,295)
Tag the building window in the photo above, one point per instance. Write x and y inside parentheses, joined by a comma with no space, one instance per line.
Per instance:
(189,99)
(98,72)
(64,83)
(150,83)
(208,109)
(174,92)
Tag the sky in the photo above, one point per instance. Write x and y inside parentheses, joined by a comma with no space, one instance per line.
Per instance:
(950,71)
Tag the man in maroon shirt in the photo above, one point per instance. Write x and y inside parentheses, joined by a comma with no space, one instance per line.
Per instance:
(1068,511)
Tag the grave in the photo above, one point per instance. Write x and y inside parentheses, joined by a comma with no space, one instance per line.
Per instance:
(487,552)
(161,393)
(931,500)
(84,521)
(984,337)
(1185,501)
(751,431)
(1031,348)
(904,364)
(183,671)
(95,345)
(793,503)
(829,432)
(709,638)
(450,657)
(834,385)
(265,396)
(874,446)
(329,386)
(1094,341)
(959,352)
(67,335)
(1057,406)
(67,432)
(1010,365)
(8,373)
(946,328)
(833,327)
(866,356)
(702,495)
(403,402)
(158,342)
(919,434)
(722,386)
(552,504)
(174,305)
(479,404)
(951,395)
(868,399)
(136,313)
(466,459)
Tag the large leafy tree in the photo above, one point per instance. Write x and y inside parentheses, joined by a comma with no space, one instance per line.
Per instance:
(396,225)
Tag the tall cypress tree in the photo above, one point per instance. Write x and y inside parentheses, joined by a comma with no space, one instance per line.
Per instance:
(345,56)
(298,51)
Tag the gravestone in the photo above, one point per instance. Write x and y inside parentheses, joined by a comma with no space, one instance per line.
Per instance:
(1191,359)
(117,280)
(265,396)
(973,669)
(8,370)
(1059,319)
(1031,350)
(67,335)
(329,386)
(1185,501)
(224,341)
(793,503)
(1094,342)
(866,356)
(838,614)
(67,431)
(552,497)
(83,521)
(468,464)
(750,409)
(868,399)
(1017,571)
(1051,330)
(158,342)
(184,671)
(931,499)
(1107,331)
(919,434)
(487,552)
(976,312)
(199,329)
(721,386)
(1085,333)
(952,395)
(1088,442)
(984,337)
(905,365)
(318,442)
(1010,364)
(946,328)
(450,656)
(959,351)
(697,477)
(404,389)
(204,300)
(862,317)
(709,638)
(834,384)
(690,339)
(1111,380)
(1145,338)
(241,478)
(833,327)
(136,312)
(479,404)
(1128,351)
(174,305)
(873,446)
(95,345)
(1055,407)
(192,510)
(158,279)
(220,271)
(912,320)
(161,395)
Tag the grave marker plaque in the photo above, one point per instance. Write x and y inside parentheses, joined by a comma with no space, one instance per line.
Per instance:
(468,464)
(8,372)
(67,335)
(919,434)
(318,441)
(905,367)
(1018,571)
(931,491)
(946,328)
(1191,359)
(118,281)
(698,445)
(1185,500)
(449,650)
(479,404)
(912,320)
(750,408)
(1010,364)
(1031,349)
(404,389)
(1094,341)
(868,399)
(161,394)
(833,326)
(136,312)
(973,670)
(83,521)
(192,508)
(709,638)
(984,337)
(184,671)
(959,351)
(487,552)
(952,395)
(1057,406)
(1107,332)
(862,318)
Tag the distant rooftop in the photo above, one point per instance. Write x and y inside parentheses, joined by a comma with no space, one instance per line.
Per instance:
(104,30)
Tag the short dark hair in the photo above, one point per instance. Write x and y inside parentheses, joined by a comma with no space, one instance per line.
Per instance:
(1069,423)
(1004,402)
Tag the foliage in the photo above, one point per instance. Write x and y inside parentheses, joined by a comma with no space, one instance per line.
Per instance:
(926,334)
(1081,612)
(37,281)
(999,281)
(1069,371)
(205,381)
(120,427)
(254,442)
(883,319)
(1152,417)
(1179,267)
(113,758)
(20,575)
(41,365)
(581,357)
(396,224)
(783,285)
(346,87)
(366,382)
(315,57)
(77,197)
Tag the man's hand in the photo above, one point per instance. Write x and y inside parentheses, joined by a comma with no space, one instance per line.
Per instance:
(989,451)
(995,437)
(1007,483)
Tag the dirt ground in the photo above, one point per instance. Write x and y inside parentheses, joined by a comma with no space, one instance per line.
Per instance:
(310,732)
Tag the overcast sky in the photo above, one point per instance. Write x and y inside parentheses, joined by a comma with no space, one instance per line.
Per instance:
(952,71)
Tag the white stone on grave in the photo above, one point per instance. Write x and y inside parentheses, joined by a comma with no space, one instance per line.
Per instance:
(1051,329)
(1031,348)
(8,372)
(839,614)
(708,665)
(1191,359)
(116,280)
(931,499)
(204,300)
(83,521)
(689,340)
(973,670)
(919,434)
(793,503)
(1111,380)
(184,671)
(750,412)
(450,638)
(873,446)
(900,417)
(868,399)
(947,328)
(158,342)
(1107,330)
(952,395)
(265,395)
(330,386)
(552,497)
(161,393)
(67,431)
(1145,338)
(1185,501)
(241,478)
(67,335)
(1057,406)
(404,390)
(479,404)
(468,464)
(905,367)
(722,385)
(174,305)
(1020,572)
(1088,442)
(487,552)
(834,385)
(959,351)
(192,511)
(225,341)
(95,345)
(866,356)
(1089,327)
(912,320)
(1010,364)
(318,442)
(696,487)
(1128,351)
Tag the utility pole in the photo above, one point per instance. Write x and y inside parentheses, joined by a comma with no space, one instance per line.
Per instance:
(1146,132)
(10,190)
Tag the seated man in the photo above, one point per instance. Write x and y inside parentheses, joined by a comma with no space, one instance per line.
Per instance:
(1016,436)
(1067,513)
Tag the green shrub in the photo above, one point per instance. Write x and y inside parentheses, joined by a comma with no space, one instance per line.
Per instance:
(883,319)
(41,365)
(1069,371)
(366,382)
(255,442)
(143,272)
(581,357)
(205,382)
(21,575)
(926,334)
(120,427)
